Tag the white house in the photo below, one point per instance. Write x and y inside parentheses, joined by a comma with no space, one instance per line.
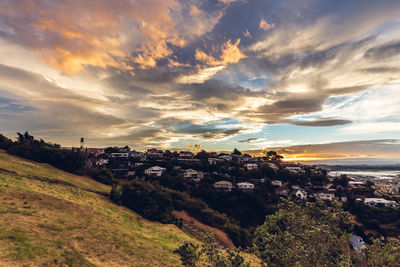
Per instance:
(101,162)
(295,187)
(186,154)
(245,186)
(193,174)
(225,157)
(214,161)
(223,186)
(251,166)
(155,171)
(276,183)
(380,202)
(300,193)
(324,195)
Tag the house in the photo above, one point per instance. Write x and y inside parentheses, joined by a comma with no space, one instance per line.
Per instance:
(276,183)
(154,153)
(193,174)
(243,158)
(120,155)
(186,155)
(95,151)
(356,184)
(273,166)
(155,171)
(214,161)
(223,186)
(101,162)
(295,169)
(137,155)
(380,202)
(300,193)
(189,161)
(137,164)
(282,191)
(326,195)
(245,186)
(295,187)
(357,243)
(225,157)
(386,188)
(251,166)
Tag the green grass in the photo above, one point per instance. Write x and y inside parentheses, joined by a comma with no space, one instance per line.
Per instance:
(47,224)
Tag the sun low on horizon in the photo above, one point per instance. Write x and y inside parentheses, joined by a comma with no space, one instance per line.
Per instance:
(314,80)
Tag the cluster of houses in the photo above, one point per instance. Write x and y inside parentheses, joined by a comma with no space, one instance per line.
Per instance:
(130,160)
(326,193)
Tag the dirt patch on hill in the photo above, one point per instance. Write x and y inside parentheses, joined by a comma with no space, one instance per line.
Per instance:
(220,235)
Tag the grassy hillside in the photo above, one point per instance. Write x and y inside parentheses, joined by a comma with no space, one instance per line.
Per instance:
(50,224)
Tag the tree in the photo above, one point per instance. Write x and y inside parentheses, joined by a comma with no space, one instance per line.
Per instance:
(273,156)
(309,235)
(384,253)
(189,254)
(236,152)
(4,142)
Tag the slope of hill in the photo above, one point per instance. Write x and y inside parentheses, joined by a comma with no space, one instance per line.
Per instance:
(48,218)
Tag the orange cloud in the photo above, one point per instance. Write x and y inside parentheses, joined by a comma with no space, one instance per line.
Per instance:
(265,25)
(95,33)
(230,53)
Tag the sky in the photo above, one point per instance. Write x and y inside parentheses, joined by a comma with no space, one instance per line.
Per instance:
(316,79)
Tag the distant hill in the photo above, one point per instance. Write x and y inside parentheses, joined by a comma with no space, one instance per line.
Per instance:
(50,218)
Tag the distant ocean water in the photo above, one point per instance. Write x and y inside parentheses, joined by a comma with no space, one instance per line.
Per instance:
(376,174)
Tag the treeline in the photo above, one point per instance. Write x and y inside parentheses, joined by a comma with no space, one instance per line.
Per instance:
(156,202)
(26,146)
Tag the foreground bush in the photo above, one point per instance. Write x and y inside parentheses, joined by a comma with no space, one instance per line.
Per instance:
(310,235)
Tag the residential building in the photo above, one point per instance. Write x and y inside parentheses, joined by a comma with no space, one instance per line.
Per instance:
(120,155)
(245,186)
(326,195)
(225,157)
(386,188)
(186,154)
(294,169)
(193,174)
(300,193)
(276,183)
(380,202)
(154,153)
(101,162)
(273,166)
(251,166)
(282,191)
(155,171)
(212,161)
(223,186)
(95,151)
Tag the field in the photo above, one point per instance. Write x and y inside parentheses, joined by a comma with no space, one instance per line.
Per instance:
(54,224)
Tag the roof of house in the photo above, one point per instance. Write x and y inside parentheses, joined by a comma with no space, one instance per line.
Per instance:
(156,168)
(244,183)
(223,183)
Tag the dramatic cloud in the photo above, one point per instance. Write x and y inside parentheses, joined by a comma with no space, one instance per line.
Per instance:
(213,73)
